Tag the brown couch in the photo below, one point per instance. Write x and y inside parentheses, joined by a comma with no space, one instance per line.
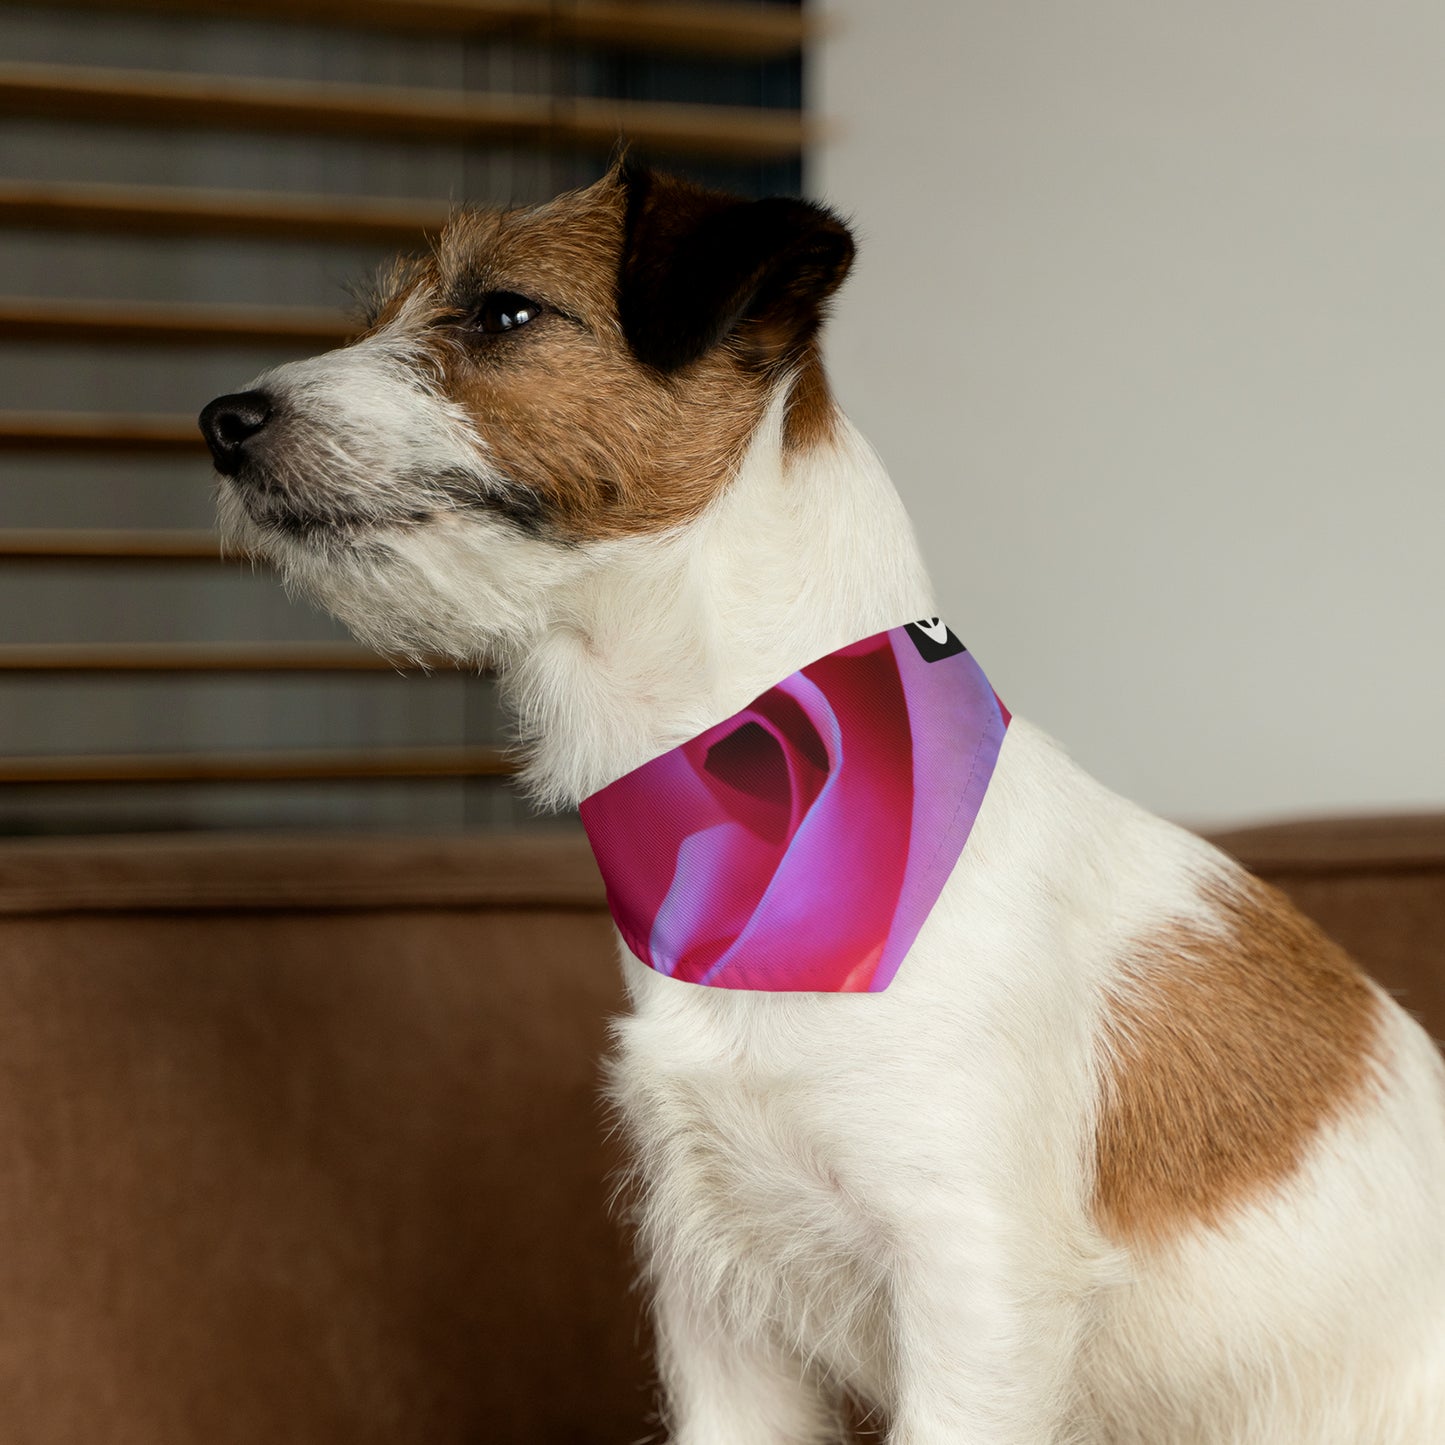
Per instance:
(300,1140)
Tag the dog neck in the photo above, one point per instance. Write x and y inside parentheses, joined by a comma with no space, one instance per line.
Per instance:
(667,635)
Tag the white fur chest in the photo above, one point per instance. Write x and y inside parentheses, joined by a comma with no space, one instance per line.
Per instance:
(742,1111)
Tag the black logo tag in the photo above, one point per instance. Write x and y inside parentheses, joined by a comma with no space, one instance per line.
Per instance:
(933,639)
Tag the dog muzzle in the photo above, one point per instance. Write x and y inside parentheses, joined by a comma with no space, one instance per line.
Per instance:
(800,845)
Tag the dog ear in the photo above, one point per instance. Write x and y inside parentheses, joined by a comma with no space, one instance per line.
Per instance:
(699,266)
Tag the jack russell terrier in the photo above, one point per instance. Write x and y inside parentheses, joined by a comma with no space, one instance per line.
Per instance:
(956,1085)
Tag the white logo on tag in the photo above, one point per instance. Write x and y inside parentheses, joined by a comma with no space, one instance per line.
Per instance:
(935,627)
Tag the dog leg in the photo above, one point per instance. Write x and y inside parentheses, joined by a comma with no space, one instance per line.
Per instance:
(722,1389)
(981,1359)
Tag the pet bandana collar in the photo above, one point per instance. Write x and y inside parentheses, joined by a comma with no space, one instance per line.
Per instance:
(799,845)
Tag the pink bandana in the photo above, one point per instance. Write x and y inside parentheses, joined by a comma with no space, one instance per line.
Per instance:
(800,845)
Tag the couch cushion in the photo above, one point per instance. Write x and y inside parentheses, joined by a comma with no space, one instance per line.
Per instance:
(303,1142)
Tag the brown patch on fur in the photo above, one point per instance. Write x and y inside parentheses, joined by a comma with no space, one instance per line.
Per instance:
(812,417)
(603,444)
(607,446)
(1226,1054)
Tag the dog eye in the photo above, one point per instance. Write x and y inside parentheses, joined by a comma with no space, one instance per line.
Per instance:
(504,311)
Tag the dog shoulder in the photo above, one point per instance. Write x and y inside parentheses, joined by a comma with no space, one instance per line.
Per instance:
(1231,1039)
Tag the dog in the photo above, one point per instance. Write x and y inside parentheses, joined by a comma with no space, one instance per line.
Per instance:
(1126,1153)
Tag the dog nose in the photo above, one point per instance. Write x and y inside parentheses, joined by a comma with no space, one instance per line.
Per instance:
(229,422)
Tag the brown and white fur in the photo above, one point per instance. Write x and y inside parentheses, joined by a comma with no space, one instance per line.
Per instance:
(1128,1152)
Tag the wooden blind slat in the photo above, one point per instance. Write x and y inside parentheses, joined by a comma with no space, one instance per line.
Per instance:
(134,657)
(259,767)
(98,432)
(217,102)
(112,97)
(76,544)
(170,323)
(77,431)
(709,29)
(175,210)
(756,32)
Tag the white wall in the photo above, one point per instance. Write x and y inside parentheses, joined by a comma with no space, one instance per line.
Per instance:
(1149,324)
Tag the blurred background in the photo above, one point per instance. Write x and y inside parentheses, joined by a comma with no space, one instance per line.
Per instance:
(187,191)
(1147,323)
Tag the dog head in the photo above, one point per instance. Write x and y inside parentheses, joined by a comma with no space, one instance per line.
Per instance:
(546,383)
